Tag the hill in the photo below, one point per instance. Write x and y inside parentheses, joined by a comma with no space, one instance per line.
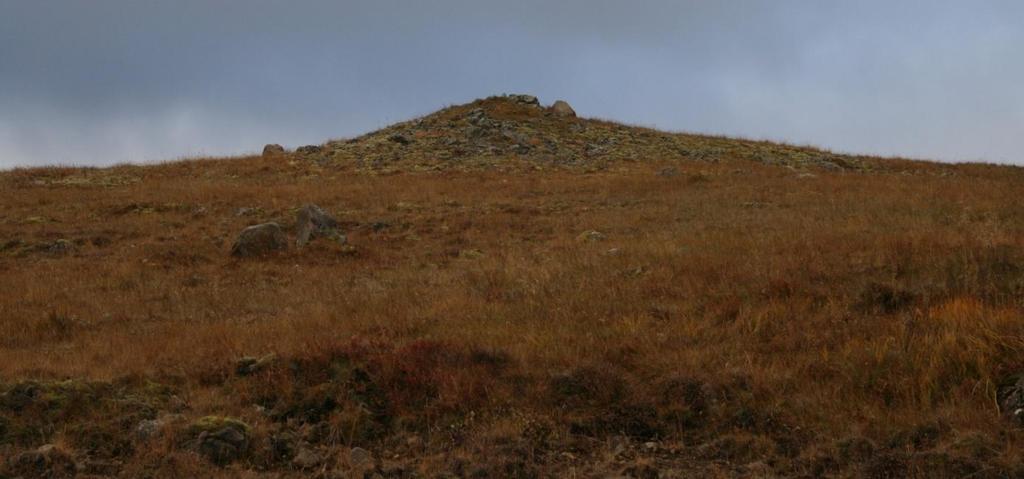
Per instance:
(509,291)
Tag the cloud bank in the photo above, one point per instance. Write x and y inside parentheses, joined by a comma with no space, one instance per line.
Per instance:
(110,81)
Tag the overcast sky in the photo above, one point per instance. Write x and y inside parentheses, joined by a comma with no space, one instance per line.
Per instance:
(107,81)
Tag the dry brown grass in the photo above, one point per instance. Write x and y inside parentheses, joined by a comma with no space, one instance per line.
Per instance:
(736,313)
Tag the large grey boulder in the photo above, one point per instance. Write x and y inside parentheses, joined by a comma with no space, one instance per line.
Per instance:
(259,240)
(273,150)
(561,108)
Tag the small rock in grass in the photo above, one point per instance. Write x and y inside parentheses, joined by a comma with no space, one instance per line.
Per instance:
(259,240)
(307,458)
(248,365)
(313,222)
(592,236)
(221,440)
(359,457)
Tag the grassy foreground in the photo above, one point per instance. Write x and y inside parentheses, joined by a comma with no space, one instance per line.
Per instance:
(650,318)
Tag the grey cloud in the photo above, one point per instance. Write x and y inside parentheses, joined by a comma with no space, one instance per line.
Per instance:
(119,80)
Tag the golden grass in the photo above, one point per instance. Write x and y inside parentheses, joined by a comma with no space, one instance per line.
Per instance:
(839,305)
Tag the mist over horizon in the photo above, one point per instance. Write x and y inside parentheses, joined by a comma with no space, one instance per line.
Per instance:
(114,81)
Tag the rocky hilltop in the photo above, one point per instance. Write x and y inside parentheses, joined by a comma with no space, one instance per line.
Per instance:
(517,132)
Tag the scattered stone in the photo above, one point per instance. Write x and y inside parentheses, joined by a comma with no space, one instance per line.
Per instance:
(47,461)
(273,149)
(219,439)
(561,108)
(59,247)
(1011,398)
(400,139)
(153,428)
(148,429)
(669,172)
(247,211)
(313,222)
(359,457)
(592,236)
(307,458)
(471,254)
(309,149)
(259,240)
(248,365)
(477,116)
(524,99)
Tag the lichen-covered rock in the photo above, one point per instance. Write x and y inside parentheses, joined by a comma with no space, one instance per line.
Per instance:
(221,440)
(561,108)
(259,240)
(313,222)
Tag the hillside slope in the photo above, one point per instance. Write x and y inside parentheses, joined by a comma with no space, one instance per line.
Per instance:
(506,292)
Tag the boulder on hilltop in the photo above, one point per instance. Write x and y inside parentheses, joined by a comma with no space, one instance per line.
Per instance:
(273,149)
(561,108)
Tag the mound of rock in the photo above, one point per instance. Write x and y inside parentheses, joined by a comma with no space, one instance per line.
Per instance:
(221,440)
(259,240)
(513,132)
